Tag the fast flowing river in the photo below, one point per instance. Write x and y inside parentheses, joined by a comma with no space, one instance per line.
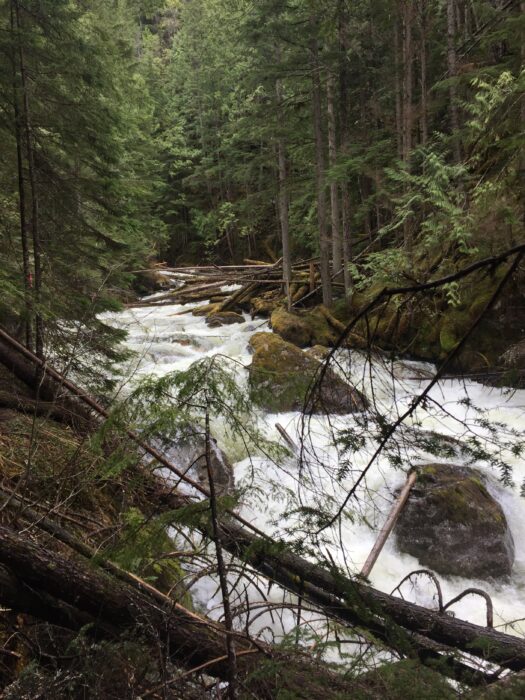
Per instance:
(166,340)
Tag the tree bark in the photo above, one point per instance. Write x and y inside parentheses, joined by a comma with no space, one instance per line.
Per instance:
(49,391)
(284,204)
(521,173)
(452,74)
(188,639)
(408,77)
(337,259)
(407,16)
(35,215)
(344,89)
(423,69)
(324,241)
(26,266)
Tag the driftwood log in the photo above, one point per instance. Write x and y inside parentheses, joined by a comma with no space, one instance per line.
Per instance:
(71,593)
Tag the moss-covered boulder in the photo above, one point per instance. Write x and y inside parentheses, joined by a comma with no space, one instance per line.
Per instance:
(307,327)
(454,526)
(281,376)
(223,318)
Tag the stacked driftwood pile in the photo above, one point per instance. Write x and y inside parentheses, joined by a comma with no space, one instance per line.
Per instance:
(257,286)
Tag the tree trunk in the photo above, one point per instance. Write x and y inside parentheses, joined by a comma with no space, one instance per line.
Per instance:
(324,241)
(408,77)
(284,205)
(423,68)
(188,639)
(407,15)
(49,391)
(344,80)
(334,193)
(35,227)
(521,173)
(452,73)
(26,266)
(398,88)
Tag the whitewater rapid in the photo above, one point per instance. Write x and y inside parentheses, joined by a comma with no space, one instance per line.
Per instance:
(169,338)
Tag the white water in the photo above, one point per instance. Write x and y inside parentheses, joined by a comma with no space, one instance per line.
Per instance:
(167,341)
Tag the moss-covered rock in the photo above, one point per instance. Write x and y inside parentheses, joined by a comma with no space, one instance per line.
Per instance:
(307,327)
(281,377)
(454,526)
(430,326)
(223,318)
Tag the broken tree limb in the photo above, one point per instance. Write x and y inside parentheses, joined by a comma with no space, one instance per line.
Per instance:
(369,606)
(230,301)
(291,444)
(389,525)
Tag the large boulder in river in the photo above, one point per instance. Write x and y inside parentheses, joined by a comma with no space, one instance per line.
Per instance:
(191,452)
(305,328)
(281,376)
(454,526)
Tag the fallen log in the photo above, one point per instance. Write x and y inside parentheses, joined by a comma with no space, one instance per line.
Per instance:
(18,596)
(188,639)
(24,404)
(389,525)
(46,388)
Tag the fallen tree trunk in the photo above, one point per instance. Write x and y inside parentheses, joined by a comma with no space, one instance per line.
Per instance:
(46,388)
(46,409)
(187,638)
(369,608)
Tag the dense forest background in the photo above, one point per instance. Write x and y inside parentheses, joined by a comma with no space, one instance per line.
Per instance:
(385,137)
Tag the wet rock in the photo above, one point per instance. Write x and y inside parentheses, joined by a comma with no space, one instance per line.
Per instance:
(223,318)
(191,451)
(452,525)
(306,328)
(281,376)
